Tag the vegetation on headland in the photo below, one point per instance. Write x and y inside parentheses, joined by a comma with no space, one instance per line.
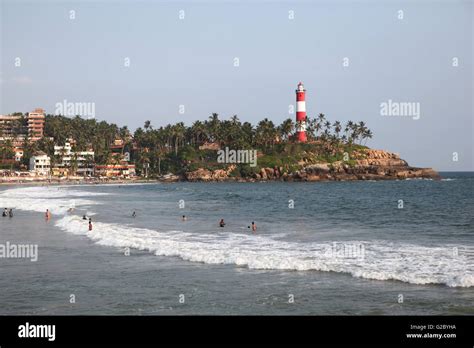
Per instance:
(179,148)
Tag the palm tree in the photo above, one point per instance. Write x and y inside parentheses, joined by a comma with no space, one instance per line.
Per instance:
(367,134)
(361,129)
(124,135)
(317,128)
(286,128)
(321,118)
(347,129)
(337,128)
(235,120)
(178,133)
(198,129)
(148,125)
(73,164)
(6,150)
(266,132)
(213,127)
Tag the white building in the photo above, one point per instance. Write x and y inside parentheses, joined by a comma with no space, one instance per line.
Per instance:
(40,163)
(83,160)
(18,154)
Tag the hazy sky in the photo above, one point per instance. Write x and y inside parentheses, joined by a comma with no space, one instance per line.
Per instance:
(190,62)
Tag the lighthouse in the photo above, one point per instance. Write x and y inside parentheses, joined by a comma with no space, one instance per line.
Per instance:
(300,113)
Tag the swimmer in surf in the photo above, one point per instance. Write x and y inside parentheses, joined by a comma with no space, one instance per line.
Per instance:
(221,223)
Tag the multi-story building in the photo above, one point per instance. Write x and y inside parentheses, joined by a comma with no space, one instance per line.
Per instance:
(82,161)
(40,163)
(36,124)
(17,127)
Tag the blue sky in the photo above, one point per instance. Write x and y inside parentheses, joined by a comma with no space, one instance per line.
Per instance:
(190,62)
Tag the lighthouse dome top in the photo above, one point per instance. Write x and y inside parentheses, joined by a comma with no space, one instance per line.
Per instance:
(300,86)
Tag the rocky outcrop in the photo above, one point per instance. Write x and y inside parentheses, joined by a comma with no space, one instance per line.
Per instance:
(368,165)
(169,178)
(202,174)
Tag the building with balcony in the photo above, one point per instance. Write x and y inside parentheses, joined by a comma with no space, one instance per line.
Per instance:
(18,127)
(80,162)
(40,163)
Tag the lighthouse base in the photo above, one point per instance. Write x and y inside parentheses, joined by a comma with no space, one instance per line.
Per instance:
(301,137)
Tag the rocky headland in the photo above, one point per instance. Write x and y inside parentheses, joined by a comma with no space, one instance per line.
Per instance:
(367,165)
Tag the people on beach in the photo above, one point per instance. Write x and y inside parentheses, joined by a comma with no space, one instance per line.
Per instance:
(90,224)
(5,212)
(222,223)
(184,218)
(47,215)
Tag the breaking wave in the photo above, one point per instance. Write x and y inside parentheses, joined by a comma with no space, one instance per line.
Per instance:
(381,260)
(58,199)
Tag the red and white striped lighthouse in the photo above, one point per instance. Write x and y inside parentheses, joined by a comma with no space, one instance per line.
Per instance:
(300,113)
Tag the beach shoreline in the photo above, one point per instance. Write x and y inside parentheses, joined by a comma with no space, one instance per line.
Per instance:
(47,182)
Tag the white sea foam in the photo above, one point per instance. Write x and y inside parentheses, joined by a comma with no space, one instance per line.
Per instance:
(39,198)
(382,260)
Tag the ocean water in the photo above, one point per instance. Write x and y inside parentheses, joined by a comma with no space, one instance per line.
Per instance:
(333,248)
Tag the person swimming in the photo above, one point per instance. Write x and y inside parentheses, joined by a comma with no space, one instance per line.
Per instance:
(253,227)
(47,215)
(184,218)
(90,224)
(5,212)
(221,223)
(134,214)
(10,213)
(84,217)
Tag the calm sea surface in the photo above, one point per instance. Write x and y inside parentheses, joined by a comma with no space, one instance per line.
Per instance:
(392,247)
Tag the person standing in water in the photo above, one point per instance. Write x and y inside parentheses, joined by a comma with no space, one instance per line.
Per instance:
(10,213)
(134,214)
(184,218)
(47,215)
(221,223)
(254,227)
(5,212)
(90,224)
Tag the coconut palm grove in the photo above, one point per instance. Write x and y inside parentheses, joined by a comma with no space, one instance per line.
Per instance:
(177,148)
